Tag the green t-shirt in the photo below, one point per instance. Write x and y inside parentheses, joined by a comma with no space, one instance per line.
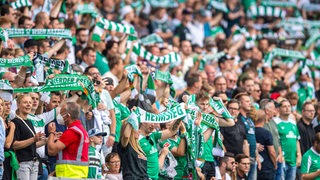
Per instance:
(181,167)
(101,63)
(289,135)
(208,146)
(149,147)
(94,164)
(121,112)
(310,162)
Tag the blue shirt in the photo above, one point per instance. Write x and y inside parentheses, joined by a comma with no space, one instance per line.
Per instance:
(250,134)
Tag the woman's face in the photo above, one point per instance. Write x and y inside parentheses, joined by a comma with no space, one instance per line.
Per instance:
(114,164)
(25,105)
(114,49)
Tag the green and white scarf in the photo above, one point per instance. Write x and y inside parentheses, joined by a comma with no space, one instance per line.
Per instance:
(162,3)
(87,9)
(239,32)
(314,36)
(104,24)
(20,3)
(16,62)
(18,32)
(166,77)
(278,4)
(220,6)
(140,51)
(266,11)
(151,39)
(61,65)
(132,71)
(142,116)
(282,53)
(5,85)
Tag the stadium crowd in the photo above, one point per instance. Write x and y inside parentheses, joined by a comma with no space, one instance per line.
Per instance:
(160,89)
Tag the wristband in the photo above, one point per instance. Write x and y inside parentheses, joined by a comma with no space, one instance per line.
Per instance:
(182,135)
(51,133)
(113,135)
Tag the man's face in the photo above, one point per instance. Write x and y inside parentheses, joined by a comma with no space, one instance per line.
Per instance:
(231,164)
(186,48)
(148,127)
(245,103)
(35,100)
(221,85)
(90,59)
(46,22)
(263,45)
(234,108)
(231,81)
(198,85)
(55,24)
(94,72)
(54,102)
(28,24)
(268,72)
(7,107)
(308,112)
(203,104)
(45,47)
(270,109)
(285,108)
(82,37)
(249,86)
(211,73)
(12,15)
(244,165)
(33,49)
(266,85)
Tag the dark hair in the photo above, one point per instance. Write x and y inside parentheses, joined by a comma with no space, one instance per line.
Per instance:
(56,93)
(22,19)
(86,51)
(239,157)
(111,155)
(113,61)
(226,157)
(305,104)
(69,23)
(4,9)
(218,93)
(192,79)
(232,101)
(86,71)
(42,41)
(109,45)
(4,20)
(80,29)
(246,79)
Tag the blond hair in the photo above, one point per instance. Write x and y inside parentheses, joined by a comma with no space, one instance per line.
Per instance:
(132,140)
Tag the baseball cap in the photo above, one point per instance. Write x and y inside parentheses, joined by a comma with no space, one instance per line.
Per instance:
(96,132)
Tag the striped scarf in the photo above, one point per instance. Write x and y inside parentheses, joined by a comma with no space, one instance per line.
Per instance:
(87,9)
(266,11)
(20,3)
(17,32)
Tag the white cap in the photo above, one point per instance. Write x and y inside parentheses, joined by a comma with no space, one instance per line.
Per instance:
(125,10)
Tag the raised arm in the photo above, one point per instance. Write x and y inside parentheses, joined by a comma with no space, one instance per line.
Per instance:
(56,47)
(171,130)
(126,134)
(56,9)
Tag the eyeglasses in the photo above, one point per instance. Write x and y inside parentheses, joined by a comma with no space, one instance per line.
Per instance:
(114,162)
(245,164)
(233,109)
(232,81)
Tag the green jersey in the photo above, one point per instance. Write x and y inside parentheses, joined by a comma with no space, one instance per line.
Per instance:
(94,164)
(149,146)
(208,146)
(121,111)
(310,162)
(101,63)
(181,168)
(289,135)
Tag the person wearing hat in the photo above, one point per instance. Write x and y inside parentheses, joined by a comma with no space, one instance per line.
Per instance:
(225,63)
(95,165)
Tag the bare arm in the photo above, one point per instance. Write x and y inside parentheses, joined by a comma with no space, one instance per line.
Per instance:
(163,156)
(9,138)
(20,78)
(292,71)
(225,122)
(122,45)
(17,145)
(180,151)
(56,9)
(298,154)
(207,134)
(311,176)
(171,131)
(126,134)
(56,47)
(216,19)
(246,148)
